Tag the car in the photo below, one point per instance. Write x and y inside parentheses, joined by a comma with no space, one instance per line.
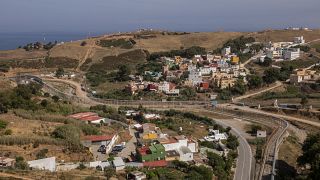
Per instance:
(102,148)
(118,148)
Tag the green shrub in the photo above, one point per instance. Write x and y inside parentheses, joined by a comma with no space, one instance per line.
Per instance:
(42,154)
(8,132)
(3,124)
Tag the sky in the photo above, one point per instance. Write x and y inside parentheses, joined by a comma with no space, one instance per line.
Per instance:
(99,16)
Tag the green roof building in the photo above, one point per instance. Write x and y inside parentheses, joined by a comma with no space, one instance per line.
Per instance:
(155,152)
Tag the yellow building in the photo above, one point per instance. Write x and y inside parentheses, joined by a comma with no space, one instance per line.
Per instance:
(149,136)
(235,59)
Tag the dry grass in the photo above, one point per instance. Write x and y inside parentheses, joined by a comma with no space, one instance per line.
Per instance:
(5,84)
(108,86)
(285,35)
(35,128)
(290,150)
(208,40)
(21,54)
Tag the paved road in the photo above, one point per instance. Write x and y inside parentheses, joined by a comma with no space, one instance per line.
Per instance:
(244,160)
(130,145)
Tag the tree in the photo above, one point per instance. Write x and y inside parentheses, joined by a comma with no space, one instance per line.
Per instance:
(109,172)
(254,81)
(304,100)
(55,98)
(232,142)
(42,154)
(3,109)
(271,75)
(123,73)
(44,103)
(59,72)
(70,134)
(20,163)
(311,155)
(83,43)
(266,62)
(239,87)
(205,172)
(188,92)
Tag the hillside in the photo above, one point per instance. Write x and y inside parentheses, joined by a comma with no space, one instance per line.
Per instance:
(75,55)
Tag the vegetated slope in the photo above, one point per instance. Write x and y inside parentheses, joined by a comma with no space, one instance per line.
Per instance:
(109,63)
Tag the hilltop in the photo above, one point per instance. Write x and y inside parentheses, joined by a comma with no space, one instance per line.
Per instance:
(97,49)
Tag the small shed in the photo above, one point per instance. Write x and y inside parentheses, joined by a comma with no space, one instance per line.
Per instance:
(261,134)
(118,163)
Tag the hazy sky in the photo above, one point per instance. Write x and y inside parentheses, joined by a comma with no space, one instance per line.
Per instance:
(183,15)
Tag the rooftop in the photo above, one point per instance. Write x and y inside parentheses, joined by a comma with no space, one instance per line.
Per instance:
(82,114)
(172,153)
(91,118)
(118,161)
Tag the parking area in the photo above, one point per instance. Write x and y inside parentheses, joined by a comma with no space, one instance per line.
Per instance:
(98,156)
(130,145)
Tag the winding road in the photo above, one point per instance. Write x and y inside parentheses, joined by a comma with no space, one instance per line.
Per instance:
(243,170)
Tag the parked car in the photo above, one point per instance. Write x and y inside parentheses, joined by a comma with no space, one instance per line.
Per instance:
(102,148)
(118,148)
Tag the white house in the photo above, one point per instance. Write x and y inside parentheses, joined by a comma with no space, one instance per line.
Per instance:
(48,164)
(195,77)
(102,164)
(168,88)
(299,40)
(164,86)
(184,146)
(291,54)
(185,154)
(118,163)
(226,51)
(206,70)
(215,135)
(151,116)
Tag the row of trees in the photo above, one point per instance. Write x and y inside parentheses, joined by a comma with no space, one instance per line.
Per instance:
(188,53)
(39,45)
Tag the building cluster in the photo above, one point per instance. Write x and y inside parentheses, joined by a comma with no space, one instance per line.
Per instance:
(155,147)
(200,72)
(279,51)
(304,76)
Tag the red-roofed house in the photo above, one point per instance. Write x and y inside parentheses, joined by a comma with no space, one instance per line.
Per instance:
(203,86)
(152,87)
(93,119)
(98,140)
(88,117)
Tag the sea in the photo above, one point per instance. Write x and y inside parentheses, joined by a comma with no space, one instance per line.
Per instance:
(12,40)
